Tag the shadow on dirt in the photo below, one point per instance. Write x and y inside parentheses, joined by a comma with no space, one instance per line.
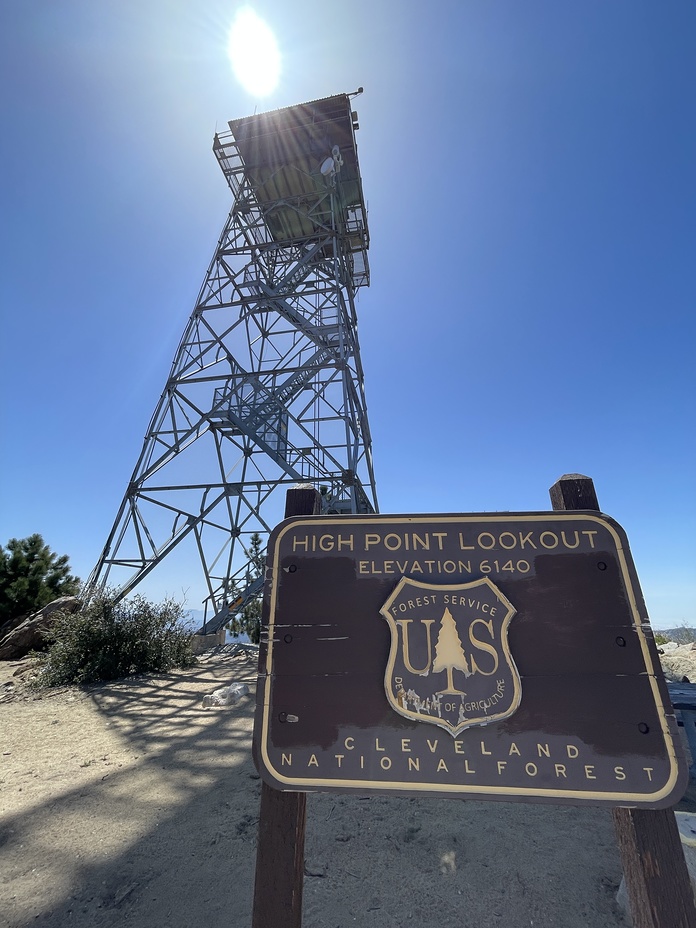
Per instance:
(167,839)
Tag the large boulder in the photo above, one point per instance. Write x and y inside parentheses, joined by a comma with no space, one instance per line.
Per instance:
(679,662)
(29,634)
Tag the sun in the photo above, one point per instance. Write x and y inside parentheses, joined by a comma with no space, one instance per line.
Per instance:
(254,54)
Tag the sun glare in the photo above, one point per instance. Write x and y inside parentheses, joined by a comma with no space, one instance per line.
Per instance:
(254,54)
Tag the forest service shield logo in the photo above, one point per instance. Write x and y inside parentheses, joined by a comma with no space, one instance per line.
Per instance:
(449,662)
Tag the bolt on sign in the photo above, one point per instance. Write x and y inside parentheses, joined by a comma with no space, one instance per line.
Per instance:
(486,656)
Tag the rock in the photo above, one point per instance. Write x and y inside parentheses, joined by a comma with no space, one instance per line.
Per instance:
(227,696)
(29,634)
(10,625)
(678,666)
(678,661)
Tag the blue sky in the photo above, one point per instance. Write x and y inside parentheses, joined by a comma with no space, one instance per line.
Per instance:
(529,172)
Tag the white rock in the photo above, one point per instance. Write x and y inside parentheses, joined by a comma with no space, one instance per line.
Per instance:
(227,696)
(675,666)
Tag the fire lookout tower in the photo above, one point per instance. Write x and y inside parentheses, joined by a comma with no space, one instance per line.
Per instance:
(266,388)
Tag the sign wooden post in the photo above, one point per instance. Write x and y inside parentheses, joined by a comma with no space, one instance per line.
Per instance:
(345,701)
(282,818)
(657,880)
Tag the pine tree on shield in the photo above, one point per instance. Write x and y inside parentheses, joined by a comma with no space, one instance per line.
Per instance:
(449,653)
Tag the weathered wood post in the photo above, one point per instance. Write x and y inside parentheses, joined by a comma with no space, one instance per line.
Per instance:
(282,818)
(658,884)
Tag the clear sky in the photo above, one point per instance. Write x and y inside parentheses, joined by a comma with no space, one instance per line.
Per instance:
(530,172)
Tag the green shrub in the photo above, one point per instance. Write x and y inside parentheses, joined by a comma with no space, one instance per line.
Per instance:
(661,639)
(108,640)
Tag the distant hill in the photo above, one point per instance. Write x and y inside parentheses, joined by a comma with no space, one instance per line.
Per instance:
(684,634)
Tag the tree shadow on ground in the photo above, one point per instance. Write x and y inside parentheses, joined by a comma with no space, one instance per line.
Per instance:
(168,838)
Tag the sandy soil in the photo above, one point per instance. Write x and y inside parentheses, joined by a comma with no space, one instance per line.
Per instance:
(129,802)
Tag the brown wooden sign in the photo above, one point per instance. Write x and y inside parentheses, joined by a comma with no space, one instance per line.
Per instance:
(485,656)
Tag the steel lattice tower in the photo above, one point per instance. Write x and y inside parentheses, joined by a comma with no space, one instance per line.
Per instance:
(266,388)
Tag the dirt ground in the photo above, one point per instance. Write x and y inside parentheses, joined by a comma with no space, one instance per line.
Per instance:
(129,802)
